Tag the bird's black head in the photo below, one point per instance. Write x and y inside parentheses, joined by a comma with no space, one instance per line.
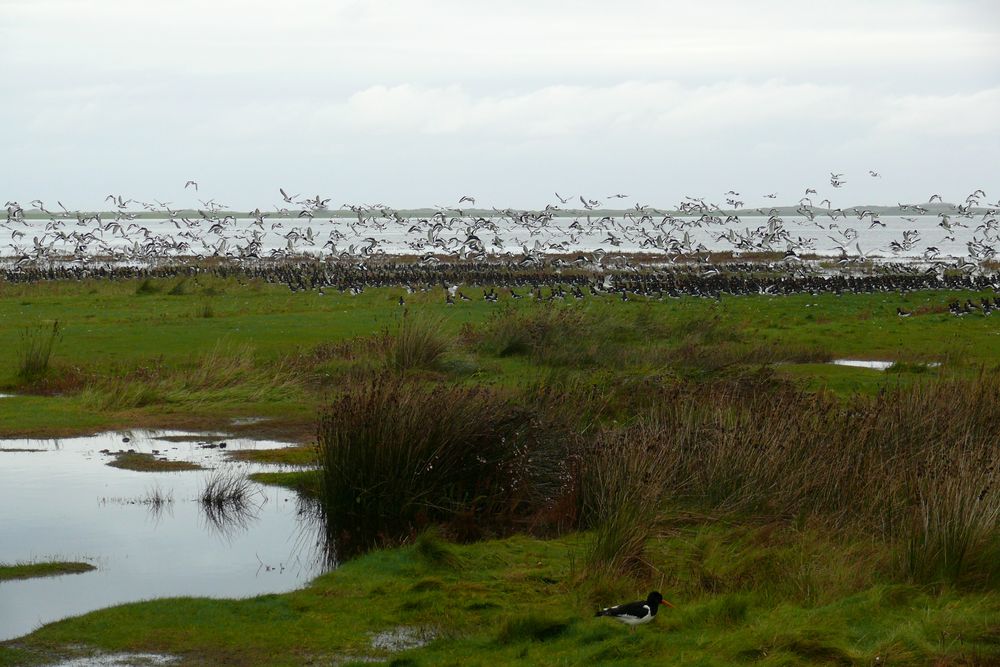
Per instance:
(655,598)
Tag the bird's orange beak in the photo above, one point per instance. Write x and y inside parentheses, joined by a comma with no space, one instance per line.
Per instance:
(668,604)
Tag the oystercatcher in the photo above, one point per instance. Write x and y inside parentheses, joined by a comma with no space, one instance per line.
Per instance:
(636,613)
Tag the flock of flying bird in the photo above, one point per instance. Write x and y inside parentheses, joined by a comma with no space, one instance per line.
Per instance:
(305,229)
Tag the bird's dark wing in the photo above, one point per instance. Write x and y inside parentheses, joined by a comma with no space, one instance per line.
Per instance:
(635,610)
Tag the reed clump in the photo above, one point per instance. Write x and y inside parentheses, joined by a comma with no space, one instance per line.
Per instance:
(397,454)
(227,501)
(620,495)
(35,350)
(226,486)
(420,341)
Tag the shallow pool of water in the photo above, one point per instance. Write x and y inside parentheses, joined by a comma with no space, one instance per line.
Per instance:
(863,363)
(65,503)
(876,365)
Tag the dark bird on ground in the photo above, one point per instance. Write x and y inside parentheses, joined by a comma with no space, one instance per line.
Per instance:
(636,613)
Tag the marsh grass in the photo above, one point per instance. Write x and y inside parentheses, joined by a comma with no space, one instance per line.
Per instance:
(224,372)
(420,341)
(953,533)
(915,467)
(35,350)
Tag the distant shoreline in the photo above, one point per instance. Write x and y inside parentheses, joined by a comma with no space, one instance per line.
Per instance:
(932,209)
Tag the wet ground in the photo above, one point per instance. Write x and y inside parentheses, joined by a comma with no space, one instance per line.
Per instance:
(874,365)
(64,503)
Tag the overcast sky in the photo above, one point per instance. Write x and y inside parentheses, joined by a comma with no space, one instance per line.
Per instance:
(418,102)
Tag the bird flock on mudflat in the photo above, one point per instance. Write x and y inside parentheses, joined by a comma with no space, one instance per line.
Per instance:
(640,250)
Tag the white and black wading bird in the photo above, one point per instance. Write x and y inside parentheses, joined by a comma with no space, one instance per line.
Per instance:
(636,613)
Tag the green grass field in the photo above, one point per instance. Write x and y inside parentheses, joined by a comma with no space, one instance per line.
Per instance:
(763,587)
(155,341)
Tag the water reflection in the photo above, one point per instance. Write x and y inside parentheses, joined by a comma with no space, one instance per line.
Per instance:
(229,519)
(148,532)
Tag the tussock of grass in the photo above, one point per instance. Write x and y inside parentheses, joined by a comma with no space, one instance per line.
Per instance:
(420,341)
(35,350)
(434,551)
(227,500)
(545,334)
(531,627)
(620,496)
(148,286)
(224,487)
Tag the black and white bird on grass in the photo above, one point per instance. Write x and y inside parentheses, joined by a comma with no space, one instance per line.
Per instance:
(636,613)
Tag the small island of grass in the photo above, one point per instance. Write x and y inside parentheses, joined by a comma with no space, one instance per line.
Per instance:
(34,570)
(148,463)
